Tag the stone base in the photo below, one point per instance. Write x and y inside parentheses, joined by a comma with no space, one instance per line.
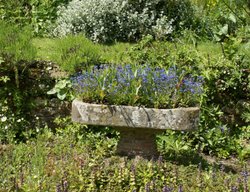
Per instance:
(137,142)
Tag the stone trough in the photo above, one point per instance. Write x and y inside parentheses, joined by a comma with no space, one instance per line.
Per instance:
(138,126)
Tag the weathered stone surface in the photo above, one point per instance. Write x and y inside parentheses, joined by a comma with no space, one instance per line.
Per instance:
(135,117)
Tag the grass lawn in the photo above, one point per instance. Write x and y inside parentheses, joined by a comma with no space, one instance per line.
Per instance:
(46,48)
(49,49)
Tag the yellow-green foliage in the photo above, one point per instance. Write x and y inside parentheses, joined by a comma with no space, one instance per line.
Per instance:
(15,43)
(75,52)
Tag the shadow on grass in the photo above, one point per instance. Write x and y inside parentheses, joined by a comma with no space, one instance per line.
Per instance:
(190,157)
(184,157)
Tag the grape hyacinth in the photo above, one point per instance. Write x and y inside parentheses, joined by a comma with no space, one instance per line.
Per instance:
(138,86)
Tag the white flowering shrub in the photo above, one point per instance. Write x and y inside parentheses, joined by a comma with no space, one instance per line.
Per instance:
(163,27)
(122,20)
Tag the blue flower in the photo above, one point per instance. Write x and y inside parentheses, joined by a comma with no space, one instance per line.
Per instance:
(156,85)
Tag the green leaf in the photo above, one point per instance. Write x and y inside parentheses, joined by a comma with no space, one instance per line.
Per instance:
(185,147)
(224,30)
(210,142)
(61,84)
(52,91)
(232,18)
(61,96)
(217,38)
(1,60)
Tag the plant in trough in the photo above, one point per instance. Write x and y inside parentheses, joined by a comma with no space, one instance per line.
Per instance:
(138,85)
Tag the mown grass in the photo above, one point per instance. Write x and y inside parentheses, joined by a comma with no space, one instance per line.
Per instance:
(49,49)
(46,48)
(53,49)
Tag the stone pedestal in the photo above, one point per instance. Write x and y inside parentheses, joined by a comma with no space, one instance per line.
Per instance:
(138,141)
(138,126)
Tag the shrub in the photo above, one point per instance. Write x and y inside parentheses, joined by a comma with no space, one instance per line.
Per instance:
(39,14)
(122,20)
(15,48)
(219,19)
(75,53)
(23,85)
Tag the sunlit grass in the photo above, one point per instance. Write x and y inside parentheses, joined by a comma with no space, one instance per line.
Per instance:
(46,48)
(120,53)
(49,49)
(209,48)
(116,53)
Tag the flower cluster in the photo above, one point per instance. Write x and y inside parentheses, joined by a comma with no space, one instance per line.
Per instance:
(138,85)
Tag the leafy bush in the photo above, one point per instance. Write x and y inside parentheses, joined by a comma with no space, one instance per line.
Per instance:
(16,47)
(37,13)
(221,19)
(76,53)
(166,54)
(227,83)
(123,20)
(24,83)
(138,85)
(16,43)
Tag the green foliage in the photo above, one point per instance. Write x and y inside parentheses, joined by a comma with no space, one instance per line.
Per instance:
(220,19)
(75,53)
(166,54)
(37,13)
(173,144)
(76,159)
(16,43)
(15,52)
(227,82)
(122,20)
(63,90)
(226,87)
(24,83)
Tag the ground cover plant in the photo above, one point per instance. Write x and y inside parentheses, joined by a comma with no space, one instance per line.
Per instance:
(80,159)
(212,42)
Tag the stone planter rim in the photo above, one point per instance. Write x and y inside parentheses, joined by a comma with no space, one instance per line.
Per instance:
(183,119)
